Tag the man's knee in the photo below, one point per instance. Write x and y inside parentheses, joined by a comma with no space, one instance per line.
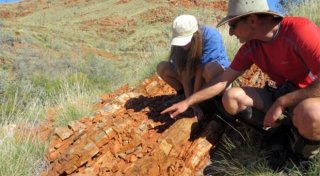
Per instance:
(231,100)
(305,139)
(306,118)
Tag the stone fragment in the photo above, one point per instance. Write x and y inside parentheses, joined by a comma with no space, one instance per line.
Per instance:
(63,133)
(77,126)
(86,172)
(123,98)
(165,147)
(53,155)
(115,148)
(151,87)
(132,158)
(110,132)
(86,120)
(104,161)
(109,109)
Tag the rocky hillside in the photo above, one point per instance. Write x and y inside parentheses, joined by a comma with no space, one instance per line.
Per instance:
(113,29)
(127,135)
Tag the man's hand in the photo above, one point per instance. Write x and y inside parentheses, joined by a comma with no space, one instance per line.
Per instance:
(273,115)
(176,109)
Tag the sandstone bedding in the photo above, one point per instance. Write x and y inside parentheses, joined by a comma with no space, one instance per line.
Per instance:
(128,135)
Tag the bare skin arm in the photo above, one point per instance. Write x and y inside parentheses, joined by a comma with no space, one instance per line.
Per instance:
(290,100)
(217,85)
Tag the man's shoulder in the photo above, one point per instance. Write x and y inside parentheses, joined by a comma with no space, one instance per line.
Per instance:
(298,27)
(296,21)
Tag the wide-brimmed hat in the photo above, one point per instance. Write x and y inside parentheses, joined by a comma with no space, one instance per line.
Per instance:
(183,28)
(240,8)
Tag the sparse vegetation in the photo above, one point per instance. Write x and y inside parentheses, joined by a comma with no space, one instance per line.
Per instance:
(44,64)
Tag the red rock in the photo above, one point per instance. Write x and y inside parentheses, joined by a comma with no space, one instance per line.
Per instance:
(117,144)
(63,133)
(53,155)
(76,126)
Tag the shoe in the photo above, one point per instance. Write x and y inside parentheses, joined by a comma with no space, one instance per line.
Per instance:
(303,164)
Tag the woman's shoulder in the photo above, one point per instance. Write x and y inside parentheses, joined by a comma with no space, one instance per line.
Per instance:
(208,30)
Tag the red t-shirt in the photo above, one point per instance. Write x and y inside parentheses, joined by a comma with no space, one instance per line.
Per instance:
(293,55)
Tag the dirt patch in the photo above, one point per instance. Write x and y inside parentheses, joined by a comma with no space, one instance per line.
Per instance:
(160,14)
(122,1)
(217,4)
(6,14)
(102,53)
(111,24)
(20,9)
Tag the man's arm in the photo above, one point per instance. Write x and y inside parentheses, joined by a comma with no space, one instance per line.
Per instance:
(293,98)
(217,85)
(290,100)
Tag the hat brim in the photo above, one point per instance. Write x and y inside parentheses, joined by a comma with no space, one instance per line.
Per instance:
(231,18)
(181,41)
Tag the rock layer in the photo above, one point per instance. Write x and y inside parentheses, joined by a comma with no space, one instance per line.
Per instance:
(129,136)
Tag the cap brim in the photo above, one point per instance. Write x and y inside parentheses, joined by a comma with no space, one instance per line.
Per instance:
(181,41)
(231,18)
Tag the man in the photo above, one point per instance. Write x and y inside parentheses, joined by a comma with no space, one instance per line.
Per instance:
(288,50)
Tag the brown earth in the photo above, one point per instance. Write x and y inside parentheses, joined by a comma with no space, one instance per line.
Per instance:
(25,8)
(101,53)
(159,14)
(128,135)
(220,4)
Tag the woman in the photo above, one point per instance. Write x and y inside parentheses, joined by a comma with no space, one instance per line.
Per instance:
(197,56)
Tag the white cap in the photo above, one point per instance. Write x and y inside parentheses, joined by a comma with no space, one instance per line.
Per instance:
(183,28)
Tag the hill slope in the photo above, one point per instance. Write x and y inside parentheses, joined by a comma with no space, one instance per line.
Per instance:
(52,38)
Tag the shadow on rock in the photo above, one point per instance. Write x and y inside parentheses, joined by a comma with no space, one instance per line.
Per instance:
(153,107)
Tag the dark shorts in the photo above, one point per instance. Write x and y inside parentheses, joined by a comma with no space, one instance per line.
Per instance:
(301,146)
(214,107)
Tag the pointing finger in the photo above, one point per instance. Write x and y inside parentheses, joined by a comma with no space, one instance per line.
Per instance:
(169,109)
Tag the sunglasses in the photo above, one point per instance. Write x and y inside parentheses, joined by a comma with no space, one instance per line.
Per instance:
(234,25)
